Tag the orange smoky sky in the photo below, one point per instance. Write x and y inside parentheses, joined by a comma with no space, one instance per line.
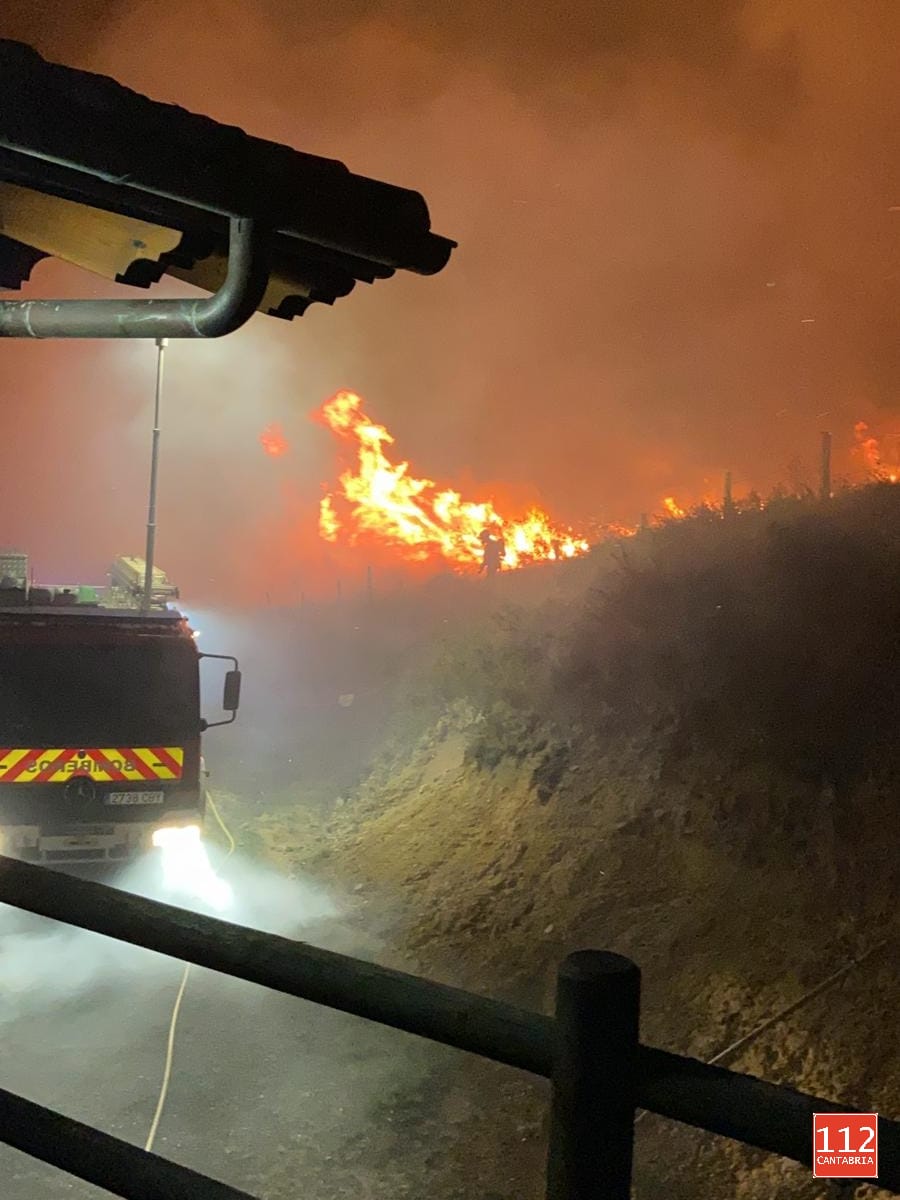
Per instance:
(678,229)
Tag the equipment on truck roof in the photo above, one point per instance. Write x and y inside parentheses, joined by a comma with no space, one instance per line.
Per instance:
(13,568)
(127,572)
(125,589)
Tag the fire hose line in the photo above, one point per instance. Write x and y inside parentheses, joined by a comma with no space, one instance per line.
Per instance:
(821,987)
(176,1008)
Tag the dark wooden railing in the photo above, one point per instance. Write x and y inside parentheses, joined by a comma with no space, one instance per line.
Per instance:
(590,1051)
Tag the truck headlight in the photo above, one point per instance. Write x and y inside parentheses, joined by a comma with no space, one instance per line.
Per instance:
(186,867)
(171,837)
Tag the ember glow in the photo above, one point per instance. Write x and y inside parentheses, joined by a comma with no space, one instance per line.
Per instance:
(382,499)
(673,509)
(273,441)
(869,447)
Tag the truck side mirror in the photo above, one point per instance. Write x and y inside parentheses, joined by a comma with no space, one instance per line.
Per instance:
(231,698)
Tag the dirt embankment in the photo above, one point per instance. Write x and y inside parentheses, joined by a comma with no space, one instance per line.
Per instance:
(691,764)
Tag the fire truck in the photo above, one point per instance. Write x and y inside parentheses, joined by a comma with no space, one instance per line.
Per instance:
(100,721)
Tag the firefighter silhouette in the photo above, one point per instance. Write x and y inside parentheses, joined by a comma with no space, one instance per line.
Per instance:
(494,550)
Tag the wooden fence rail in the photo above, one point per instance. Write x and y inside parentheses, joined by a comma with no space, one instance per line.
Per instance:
(590,1050)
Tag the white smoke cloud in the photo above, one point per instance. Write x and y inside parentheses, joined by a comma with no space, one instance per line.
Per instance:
(44,964)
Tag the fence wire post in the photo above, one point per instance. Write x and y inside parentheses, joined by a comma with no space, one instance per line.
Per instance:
(598,997)
(825,468)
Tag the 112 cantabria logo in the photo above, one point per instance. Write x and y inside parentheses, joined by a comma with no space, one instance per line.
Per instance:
(845,1145)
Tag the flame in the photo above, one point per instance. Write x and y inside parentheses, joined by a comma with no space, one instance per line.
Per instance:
(417,516)
(869,447)
(619,531)
(381,498)
(273,441)
(329,525)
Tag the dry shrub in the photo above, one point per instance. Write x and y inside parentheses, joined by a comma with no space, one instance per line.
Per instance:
(775,634)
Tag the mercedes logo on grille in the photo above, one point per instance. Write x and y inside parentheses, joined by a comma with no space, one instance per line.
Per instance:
(81,789)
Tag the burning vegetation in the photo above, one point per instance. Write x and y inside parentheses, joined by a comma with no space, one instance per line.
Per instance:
(869,448)
(425,521)
(383,508)
(380,503)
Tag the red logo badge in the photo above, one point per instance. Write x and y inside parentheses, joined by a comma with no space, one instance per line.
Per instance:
(845,1145)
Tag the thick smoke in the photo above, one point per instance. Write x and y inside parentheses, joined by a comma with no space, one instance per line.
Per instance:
(45,965)
(675,257)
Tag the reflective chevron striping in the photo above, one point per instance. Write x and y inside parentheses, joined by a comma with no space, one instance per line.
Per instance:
(114,764)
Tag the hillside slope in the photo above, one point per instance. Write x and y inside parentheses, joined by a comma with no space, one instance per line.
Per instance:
(689,758)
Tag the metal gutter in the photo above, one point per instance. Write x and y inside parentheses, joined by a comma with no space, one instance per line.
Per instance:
(215,316)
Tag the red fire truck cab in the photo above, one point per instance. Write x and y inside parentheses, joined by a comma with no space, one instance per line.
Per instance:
(100,725)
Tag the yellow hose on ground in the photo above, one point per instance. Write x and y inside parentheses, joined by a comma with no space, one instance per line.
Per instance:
(176,1008)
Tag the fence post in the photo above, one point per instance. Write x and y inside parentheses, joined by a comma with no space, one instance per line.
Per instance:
(598,998)
(825,478)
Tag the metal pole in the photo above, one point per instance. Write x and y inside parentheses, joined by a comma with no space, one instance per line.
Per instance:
(161,344)
(825,482)
(727,498)
(598,999)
